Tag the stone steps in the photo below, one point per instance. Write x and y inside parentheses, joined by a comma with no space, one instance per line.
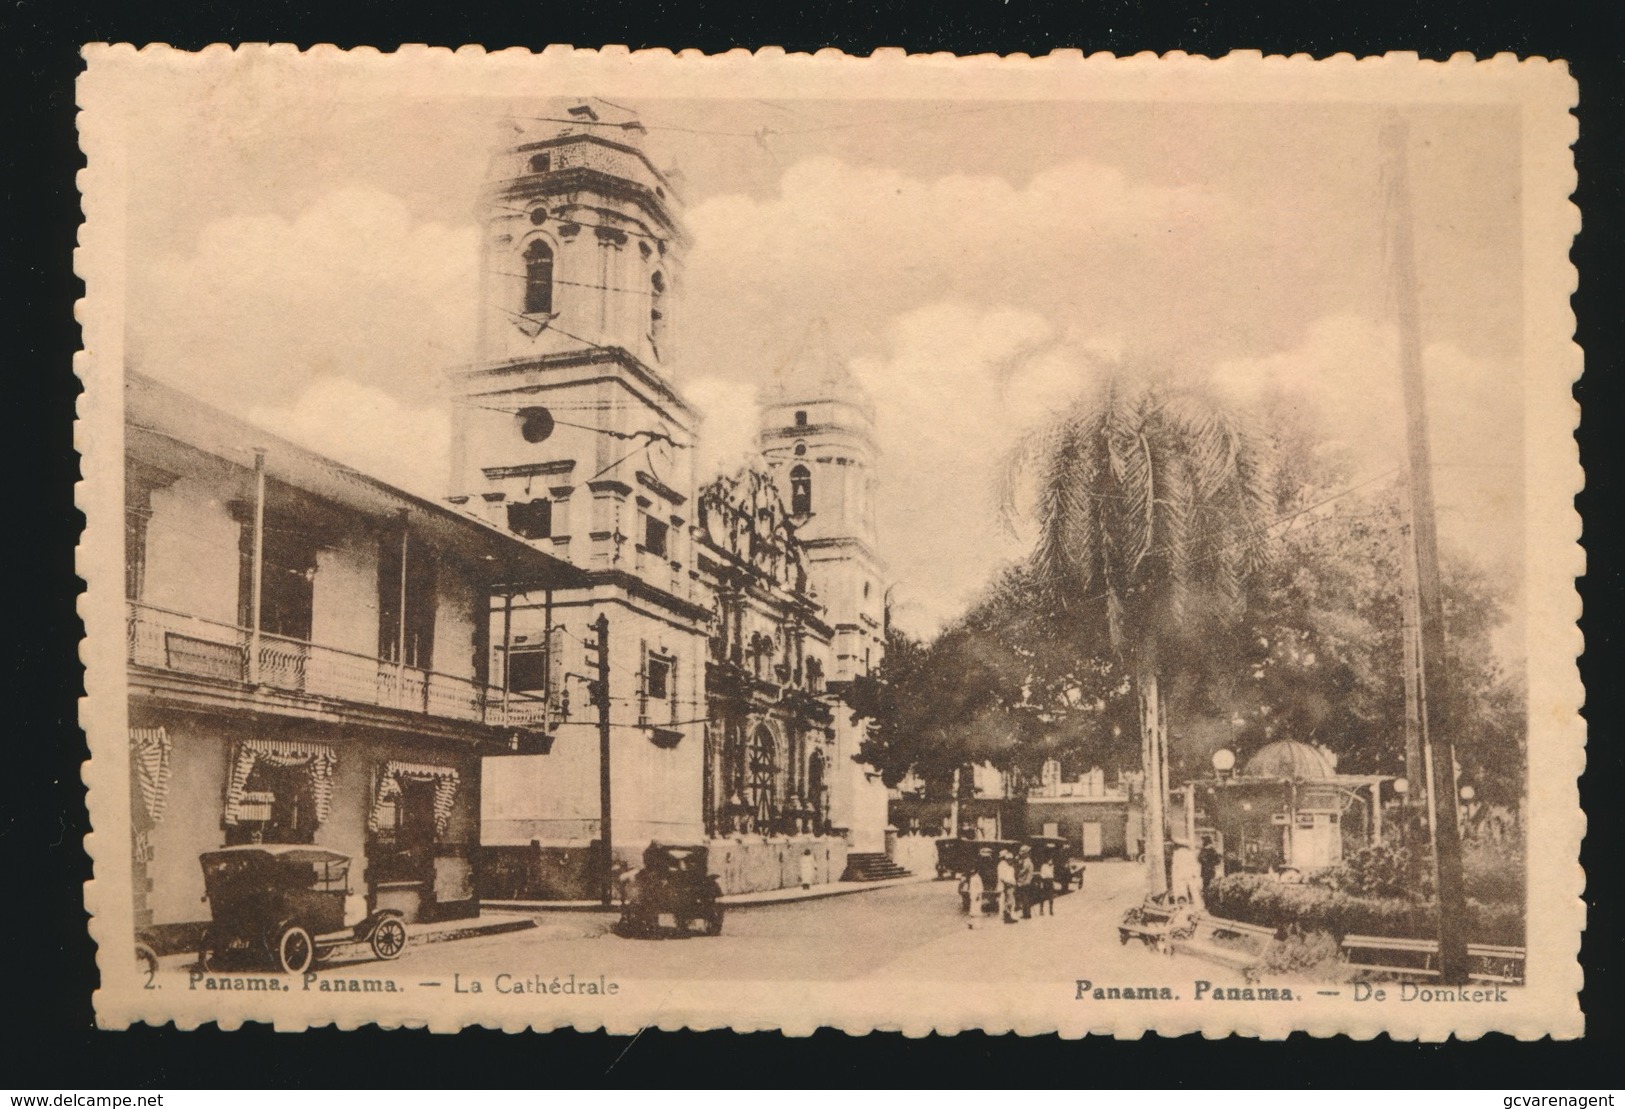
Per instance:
(866,866)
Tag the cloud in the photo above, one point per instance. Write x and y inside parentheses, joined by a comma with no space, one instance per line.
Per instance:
(1345,371)
(260,306)
(369,429)
(861,245)
(727,437)
(956,386)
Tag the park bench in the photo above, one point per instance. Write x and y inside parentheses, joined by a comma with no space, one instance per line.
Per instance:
(1156,923)
(1402,955)
(1231,943)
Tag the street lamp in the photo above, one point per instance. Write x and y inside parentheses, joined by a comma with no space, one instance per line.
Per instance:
(1224,761)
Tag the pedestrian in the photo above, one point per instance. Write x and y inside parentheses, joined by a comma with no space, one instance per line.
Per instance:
(1025,876)
(1185,875)
(976,887)
(1209,859)
(1046,887)
(1007,886)
(807,869)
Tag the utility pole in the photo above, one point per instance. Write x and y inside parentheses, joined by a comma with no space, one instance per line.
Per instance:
(256,591)
(605,830)
(1432,681)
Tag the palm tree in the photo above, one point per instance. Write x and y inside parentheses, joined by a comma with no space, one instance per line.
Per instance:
(1151,502)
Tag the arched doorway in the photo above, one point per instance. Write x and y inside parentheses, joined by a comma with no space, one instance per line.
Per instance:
(761,782)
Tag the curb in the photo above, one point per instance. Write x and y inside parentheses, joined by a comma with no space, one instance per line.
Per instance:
(495,928)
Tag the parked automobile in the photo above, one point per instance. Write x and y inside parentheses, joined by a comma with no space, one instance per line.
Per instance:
(283,906)
(1059,853)
(673,881)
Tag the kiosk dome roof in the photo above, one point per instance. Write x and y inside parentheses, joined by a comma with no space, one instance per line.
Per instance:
(1287,758)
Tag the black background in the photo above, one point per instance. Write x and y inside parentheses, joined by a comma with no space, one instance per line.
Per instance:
(47,967)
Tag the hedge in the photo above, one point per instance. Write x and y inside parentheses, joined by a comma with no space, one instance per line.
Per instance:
(1260,899)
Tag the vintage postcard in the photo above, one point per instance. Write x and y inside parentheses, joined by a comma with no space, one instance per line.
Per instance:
(619,539)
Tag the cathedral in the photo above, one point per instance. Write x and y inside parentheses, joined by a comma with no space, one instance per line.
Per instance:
(687,687)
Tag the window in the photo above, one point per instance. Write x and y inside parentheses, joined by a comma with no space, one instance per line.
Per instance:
(654,536)
(657,313)
(538,216)
(541,163)
(527,671)
(800,491)
(801,448)
(415,632)
(658,678)
(801,419)
(414,813)
(538,278)
(287,581)
(531,519)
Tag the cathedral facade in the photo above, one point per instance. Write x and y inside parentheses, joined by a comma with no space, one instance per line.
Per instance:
(688,690)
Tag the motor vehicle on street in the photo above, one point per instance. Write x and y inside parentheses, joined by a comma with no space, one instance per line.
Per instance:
(283,906)
(672,882)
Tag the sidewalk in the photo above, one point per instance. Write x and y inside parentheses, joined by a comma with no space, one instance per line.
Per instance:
(732,900)
(488,923)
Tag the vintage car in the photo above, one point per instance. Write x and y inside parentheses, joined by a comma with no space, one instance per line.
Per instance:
(283,906)
(673,881)
(1057,852)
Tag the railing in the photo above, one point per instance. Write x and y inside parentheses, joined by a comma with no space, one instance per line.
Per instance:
(161,639)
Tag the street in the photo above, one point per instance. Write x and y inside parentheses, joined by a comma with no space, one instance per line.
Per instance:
(904,933)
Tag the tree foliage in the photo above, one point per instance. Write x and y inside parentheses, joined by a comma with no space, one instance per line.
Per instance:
(1032,670)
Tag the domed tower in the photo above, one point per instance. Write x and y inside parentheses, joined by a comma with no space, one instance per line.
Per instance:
(817,438)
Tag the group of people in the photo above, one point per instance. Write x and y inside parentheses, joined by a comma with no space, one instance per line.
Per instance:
(1022,885)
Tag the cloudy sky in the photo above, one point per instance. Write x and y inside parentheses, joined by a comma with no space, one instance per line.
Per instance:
(306,258)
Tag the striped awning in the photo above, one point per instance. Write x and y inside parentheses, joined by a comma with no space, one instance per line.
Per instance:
(318,758)
(149,761)
(445,781)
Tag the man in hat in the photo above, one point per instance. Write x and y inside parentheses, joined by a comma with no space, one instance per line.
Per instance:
(974,886)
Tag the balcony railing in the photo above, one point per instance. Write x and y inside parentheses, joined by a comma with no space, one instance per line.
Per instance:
(161,639)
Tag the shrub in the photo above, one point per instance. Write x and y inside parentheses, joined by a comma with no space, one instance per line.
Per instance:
(1260,899)
(1315,956)
(1381,870)
(1493,871)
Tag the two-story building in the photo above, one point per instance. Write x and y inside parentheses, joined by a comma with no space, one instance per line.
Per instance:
(308,662)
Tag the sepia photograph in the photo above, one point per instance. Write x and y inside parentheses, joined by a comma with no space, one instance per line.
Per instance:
(622,539)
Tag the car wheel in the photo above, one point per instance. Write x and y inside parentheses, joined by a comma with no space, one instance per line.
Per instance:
(295,950)
(389,938)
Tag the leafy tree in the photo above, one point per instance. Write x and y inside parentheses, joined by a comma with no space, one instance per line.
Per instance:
(1152,501)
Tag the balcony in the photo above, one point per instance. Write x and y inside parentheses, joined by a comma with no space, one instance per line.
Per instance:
(163,640)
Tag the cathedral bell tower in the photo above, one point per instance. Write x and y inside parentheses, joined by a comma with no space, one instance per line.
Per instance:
(817,438)
(569,432)
(567,429)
